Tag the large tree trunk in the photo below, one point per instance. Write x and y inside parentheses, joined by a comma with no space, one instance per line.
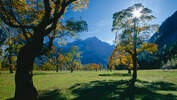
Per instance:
(25,89)
(134,56)
(134,77)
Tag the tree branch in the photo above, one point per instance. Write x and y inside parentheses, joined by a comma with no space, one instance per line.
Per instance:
(47,15)
(6,19)
(129,52)
(57,14)
(4,14)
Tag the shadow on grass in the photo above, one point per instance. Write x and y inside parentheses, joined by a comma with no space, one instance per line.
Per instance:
(51,95)
(115,74)
(120,90)
(48,95)
(115,90)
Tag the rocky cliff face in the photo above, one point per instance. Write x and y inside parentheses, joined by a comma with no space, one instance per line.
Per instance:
(166,39)
(167,32)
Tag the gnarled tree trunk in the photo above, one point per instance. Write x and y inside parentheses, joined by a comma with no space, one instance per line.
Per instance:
(25,89)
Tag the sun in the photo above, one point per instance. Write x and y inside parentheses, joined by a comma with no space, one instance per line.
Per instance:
(137,13)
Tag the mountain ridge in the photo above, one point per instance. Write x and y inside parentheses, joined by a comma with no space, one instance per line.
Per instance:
(167,32)
(92,50)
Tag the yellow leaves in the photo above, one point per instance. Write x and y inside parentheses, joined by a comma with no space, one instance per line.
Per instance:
(92,66)
(31,12)
(20,5)
(32,5)
(13,58)
(28,35)
(124,59)
(154,48)
(10,42)
(131,65)
(60,26)
(77,5)
(111,61)
(61,58)
(40,13)
(120,56)
(148,47)
(19,46)
(21,36)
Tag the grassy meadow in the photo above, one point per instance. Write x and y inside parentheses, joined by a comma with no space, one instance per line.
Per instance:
(92,85)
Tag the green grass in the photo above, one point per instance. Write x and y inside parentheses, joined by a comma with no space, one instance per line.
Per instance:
(152,85)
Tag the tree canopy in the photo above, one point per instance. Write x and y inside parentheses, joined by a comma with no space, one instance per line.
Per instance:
(132,31)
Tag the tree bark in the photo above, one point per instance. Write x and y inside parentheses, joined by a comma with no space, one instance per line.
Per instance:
(134,68)
(57,68)
(72,69)
(134,55)
(129,71)
(10,69)
(134,77)
(25,89)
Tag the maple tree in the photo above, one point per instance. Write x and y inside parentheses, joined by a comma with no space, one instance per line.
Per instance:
(10,46)
(37,19)
(92,66)
(56,58)
(61,62)
(120,57)
(132,31)
(72,58)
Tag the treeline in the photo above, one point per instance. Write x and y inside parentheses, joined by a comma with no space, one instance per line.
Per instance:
(47,66)
(165,58)
(87,67)
(56,59)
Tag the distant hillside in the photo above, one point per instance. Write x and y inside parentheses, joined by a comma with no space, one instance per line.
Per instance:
(167,32)
(92,50)
(166,39)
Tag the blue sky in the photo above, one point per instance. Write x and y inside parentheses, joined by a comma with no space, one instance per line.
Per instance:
(99,15)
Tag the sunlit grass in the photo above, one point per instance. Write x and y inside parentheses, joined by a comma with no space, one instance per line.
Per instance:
(63,81)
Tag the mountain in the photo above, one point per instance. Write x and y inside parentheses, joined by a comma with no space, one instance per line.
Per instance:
(92,50)
(167,32)
(166,39)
